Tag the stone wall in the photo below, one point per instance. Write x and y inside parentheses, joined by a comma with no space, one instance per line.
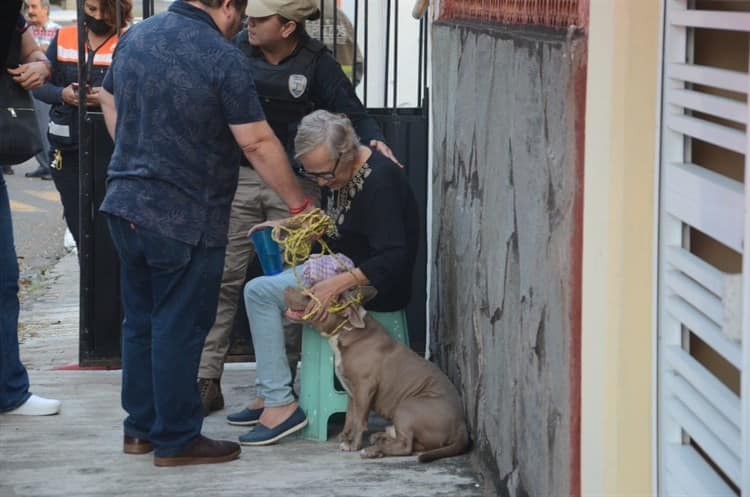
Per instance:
(508,109)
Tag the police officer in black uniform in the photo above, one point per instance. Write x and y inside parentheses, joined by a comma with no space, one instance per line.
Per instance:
(297,74)
(294,74)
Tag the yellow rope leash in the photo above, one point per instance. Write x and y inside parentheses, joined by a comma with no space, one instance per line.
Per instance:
(297,237)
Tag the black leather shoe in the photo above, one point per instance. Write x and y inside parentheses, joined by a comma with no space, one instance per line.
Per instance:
(133,445)
(203,451)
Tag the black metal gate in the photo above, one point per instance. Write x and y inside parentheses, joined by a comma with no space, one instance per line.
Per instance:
(374,64)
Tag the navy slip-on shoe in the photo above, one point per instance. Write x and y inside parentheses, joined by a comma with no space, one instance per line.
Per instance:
(263,435)
(246,417)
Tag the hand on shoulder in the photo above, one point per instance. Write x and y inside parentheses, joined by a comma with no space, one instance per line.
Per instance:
(385,150)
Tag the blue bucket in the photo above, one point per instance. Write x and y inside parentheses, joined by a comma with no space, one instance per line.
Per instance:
(268,252)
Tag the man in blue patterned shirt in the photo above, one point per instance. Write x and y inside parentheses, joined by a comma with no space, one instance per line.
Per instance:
(178,99)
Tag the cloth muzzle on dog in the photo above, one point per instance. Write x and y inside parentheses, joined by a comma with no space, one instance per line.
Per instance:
(320,267)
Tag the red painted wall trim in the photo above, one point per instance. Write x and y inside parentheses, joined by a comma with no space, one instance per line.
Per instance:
(551,13)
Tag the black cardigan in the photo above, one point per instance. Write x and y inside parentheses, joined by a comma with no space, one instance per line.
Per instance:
(380,231)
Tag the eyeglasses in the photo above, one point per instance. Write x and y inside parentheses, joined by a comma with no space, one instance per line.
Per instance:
(327,176)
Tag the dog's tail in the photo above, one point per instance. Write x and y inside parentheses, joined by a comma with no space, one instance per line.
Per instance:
(461,445)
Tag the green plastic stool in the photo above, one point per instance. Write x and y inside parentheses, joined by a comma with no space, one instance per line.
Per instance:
(319,397)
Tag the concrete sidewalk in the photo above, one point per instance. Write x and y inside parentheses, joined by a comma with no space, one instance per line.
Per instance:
(79,452)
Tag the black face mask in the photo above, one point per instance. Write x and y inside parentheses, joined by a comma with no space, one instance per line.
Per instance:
(97,26)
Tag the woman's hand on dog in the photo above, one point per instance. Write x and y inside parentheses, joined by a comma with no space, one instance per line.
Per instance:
(324,292)
(328,291)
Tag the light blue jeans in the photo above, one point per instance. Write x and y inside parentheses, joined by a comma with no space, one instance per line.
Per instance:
(264,301)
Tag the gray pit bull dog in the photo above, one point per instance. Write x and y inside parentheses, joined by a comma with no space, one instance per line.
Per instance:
(382,374)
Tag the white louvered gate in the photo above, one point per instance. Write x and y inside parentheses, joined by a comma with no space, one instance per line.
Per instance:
(704,374)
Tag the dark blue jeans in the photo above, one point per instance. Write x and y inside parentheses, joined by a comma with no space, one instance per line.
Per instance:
(14,382)
(169,296)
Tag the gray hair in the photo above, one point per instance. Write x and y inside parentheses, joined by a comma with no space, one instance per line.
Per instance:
(44,3)
(324,128)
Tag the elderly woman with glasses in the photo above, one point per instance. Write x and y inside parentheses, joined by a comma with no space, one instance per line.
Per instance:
(375,215)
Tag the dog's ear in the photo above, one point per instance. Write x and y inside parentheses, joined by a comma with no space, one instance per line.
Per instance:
(352,314)
(368,293)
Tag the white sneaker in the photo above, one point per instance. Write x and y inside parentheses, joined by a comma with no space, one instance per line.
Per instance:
(37,406)
(69,242)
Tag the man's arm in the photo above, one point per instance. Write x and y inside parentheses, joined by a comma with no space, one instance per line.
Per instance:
(106,94)
(107,102)
(49,92)
(30,51)
(264,151)
(35,70)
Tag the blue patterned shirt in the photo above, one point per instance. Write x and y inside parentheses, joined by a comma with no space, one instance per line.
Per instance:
(178,84)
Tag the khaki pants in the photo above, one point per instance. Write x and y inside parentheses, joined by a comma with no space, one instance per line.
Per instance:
(254,202)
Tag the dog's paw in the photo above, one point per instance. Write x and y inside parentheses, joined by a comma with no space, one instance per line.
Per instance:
(346,447)
(370,453)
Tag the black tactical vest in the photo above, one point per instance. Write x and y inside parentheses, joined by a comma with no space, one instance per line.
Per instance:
(284,90)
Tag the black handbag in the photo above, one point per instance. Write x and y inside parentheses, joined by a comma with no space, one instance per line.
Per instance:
(19,132)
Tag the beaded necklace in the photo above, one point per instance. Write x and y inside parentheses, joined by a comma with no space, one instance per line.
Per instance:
(340,201)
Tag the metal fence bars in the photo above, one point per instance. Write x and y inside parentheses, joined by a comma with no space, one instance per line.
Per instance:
(384,51)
